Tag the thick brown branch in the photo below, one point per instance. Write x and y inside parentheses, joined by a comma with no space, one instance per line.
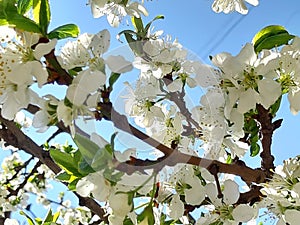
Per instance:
(252,196)
(20,140)
(173,157)
(266,128)
(56,72)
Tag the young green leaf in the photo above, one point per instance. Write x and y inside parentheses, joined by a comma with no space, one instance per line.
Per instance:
(112,79)
(147,216)
(9,16)
(23,23)
(29,220)
(87,147)
(275,107)
(64,31)
(65,161)
(254,149)
(270,37)
(84,168)
(138,24)
(49,216)
(36,5)
(55,216)
(44,16)
(24,6)
(159,17)
(72,185)
(64,176)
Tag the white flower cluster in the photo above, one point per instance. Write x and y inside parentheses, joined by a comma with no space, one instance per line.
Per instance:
(120,204)
(165,70)
(74,216)
(249,79)
(19,187)
(10,179)
(116,10)
(82,96)
(223,210)
(283,192)
(20,67)
(182,187)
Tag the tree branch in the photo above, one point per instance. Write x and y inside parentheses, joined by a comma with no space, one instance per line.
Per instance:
(266,128)
(173,157)
(15,137)
(178,99)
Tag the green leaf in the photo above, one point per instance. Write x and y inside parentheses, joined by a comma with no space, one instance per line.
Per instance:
(147,215)
(254,149)
(72,185)
(127,221)
(39,221)
(64,31)
(275,107)
(87,147)
(49,217)
(65,161)
(229,159)
(111,147)
(136,46)
(270,37)
(24,6)
(159,17)
(94,158)
(102,158)
(9,6)
(131,32)
(274,41)
(36,10)
(29,220)
(113,78)
(10,16)
(55,216)
(84,168)
(44,16)
(23,23)
(64,176)
(267,32)
(49,223)
(3,22)
(138,24)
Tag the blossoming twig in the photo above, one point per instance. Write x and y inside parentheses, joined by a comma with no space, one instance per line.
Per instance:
(21,141)
(173,157)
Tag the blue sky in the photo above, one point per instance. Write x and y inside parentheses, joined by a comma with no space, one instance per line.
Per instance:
(205,33)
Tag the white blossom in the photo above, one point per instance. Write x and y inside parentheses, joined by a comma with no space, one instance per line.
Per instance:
(116,10)
(228,6)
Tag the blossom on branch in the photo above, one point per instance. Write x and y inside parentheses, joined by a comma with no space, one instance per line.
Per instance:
(20,68)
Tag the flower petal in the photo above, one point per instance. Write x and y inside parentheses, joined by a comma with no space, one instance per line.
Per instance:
(118,64)
(243,213)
